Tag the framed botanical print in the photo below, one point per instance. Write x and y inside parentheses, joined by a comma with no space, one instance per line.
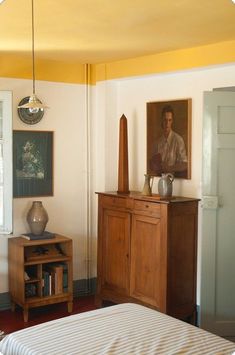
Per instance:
(32,163)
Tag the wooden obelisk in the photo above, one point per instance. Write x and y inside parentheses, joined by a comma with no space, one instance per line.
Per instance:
(123,175)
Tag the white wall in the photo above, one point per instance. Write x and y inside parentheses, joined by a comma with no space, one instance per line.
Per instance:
(129,97)
(67,208)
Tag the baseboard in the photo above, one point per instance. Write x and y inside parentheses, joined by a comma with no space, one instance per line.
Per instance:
(5,301)
(84,287)
(80,288)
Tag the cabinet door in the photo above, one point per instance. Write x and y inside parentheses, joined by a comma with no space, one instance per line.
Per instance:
(115,251)
(145,260)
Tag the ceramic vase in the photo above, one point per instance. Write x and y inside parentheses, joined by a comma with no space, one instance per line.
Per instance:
(37,218)
(165,185)
(148,184)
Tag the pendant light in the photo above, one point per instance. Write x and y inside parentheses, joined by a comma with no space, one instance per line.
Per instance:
(33,104)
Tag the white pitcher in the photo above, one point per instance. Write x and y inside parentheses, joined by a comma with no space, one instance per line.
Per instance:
(165,185)
(148,184)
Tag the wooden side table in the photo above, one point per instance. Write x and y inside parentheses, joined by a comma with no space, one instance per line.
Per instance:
(40,272)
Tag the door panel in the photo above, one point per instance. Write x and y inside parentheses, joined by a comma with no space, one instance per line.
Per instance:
(145,260)
(225,276)
(218,242)
(115,263)
(182,260)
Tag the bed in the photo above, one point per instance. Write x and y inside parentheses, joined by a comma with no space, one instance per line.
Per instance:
(121,329)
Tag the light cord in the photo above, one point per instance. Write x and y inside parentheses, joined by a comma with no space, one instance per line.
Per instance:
(33,47)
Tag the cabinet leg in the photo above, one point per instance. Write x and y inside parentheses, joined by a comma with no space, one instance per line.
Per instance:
(193,318)
(26,314)
(13,306)
(70,307)
(98,302)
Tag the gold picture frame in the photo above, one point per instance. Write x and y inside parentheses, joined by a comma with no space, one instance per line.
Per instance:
(169,138)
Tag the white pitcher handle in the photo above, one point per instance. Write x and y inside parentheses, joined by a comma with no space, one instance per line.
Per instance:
(171,176)
(151,181)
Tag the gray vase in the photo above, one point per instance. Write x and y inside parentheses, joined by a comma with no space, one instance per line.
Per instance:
(165,185)
(37,218)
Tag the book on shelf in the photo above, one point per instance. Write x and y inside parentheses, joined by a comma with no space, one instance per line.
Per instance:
(45,235)
(65,277)
(46,283)
(55,279)
(56,272)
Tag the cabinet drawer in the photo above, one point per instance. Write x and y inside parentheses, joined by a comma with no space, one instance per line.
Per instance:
(147,208)
(113,201)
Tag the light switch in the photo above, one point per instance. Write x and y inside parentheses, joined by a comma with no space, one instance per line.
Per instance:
(210,202)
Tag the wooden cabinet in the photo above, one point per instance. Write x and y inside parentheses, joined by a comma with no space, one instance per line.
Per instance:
(40,272)
(147,252)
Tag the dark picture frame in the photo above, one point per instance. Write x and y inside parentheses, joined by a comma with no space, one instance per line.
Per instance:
(159,160)
(32,163)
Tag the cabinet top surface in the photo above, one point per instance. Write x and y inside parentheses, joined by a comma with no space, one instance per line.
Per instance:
(154,198)
(25,242)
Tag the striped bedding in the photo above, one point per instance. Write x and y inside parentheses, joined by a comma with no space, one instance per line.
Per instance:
(121,329)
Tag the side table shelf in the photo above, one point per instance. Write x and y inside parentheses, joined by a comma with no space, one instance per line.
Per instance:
(40,272)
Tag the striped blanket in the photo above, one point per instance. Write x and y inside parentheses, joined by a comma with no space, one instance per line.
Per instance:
(121,329)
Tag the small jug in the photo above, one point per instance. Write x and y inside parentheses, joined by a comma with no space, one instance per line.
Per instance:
(148,184)
(165,185)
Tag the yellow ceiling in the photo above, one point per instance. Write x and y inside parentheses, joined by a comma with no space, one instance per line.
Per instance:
(101,31)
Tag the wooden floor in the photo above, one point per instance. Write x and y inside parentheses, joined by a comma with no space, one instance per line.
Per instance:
(12,321)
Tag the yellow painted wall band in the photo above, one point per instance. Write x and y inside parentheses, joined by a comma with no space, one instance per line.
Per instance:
(20,66)
(219,53)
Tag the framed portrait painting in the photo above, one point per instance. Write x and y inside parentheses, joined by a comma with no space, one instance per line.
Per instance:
(169,138)
(32,163)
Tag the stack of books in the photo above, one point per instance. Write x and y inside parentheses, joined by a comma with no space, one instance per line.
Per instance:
(45,235)
(55,279)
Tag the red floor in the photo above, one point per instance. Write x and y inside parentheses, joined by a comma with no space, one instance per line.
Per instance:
(12,321)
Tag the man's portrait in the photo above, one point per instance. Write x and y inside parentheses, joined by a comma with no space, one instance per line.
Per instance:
(169,138)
